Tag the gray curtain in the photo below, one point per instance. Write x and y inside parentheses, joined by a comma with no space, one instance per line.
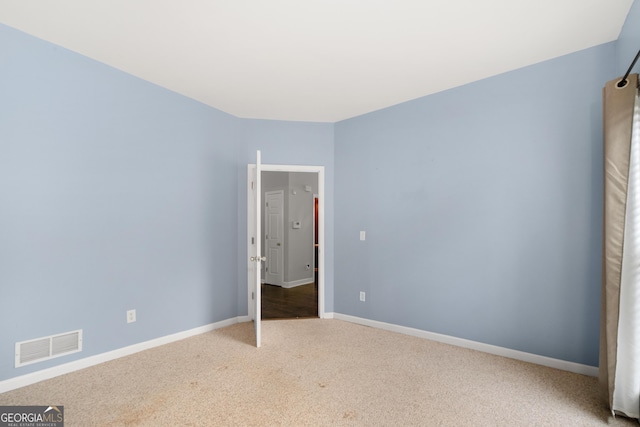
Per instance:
(618,113)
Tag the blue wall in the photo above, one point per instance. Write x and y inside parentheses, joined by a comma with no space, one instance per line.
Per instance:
(482,207)
(115,194)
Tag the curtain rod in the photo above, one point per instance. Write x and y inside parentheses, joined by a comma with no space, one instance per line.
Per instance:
(623,82)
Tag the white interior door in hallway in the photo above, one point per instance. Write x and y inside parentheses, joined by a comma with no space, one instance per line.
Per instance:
(274,237)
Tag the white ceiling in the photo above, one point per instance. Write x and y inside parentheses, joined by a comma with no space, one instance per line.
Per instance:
(316,60)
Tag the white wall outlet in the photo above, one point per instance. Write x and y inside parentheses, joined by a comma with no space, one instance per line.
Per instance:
(362,296)
(131,316)
(362,235)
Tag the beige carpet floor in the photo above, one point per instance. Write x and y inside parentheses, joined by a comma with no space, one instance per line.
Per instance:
(318,373)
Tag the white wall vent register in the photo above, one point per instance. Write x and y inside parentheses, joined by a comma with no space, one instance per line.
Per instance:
(40,349)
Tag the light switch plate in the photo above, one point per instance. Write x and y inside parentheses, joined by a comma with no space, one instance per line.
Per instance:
(362,235)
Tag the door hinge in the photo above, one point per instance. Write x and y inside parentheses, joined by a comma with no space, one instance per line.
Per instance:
(253,295)
(266,269)
(252,185)
(267,204)
(253,240)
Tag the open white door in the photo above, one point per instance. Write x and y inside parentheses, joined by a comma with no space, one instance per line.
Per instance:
(255,250)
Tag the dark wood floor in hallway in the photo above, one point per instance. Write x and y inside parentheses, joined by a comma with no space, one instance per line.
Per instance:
(283,303)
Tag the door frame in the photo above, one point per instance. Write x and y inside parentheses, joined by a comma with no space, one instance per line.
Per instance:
(251,232)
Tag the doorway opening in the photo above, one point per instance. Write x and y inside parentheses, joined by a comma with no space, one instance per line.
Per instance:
(289,229)
(305,269)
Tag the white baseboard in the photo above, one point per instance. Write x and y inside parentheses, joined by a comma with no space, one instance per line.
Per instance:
(474,345)
(45,374)
(295,283)
(76,365)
